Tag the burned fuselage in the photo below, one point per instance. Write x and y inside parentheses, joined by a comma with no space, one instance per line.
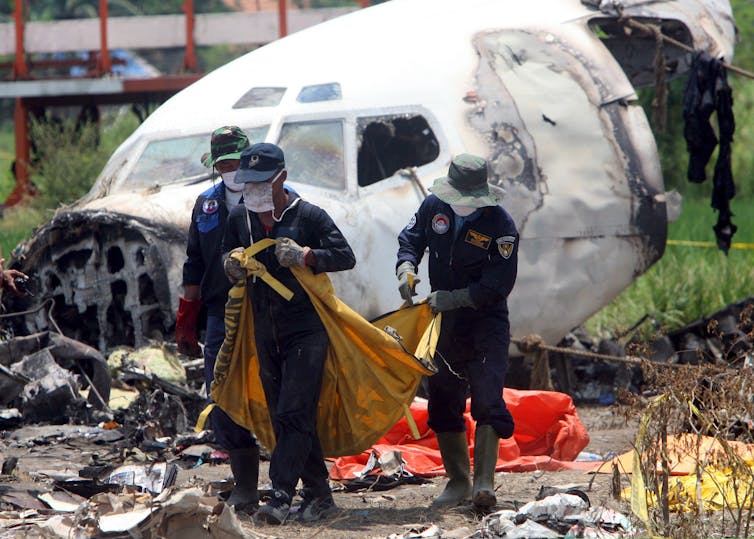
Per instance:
(369,109)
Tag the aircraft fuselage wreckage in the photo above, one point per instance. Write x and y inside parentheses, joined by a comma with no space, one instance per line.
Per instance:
(369,108)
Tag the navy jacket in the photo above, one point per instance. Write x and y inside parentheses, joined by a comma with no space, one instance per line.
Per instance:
(309,226)
(203,265)
(483,256)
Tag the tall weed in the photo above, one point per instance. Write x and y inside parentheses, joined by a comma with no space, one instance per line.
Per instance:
(688,282)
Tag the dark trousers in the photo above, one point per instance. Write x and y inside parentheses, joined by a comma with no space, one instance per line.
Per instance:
(291,370)
(469,361)
(228,434)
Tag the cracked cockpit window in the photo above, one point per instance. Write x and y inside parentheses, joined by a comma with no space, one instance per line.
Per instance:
(168,160)
(390,143)
(314,153)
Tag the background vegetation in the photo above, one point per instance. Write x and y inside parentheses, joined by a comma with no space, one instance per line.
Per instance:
(687,283)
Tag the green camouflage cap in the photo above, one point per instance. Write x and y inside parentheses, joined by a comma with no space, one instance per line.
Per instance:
(466,183)
(226,143)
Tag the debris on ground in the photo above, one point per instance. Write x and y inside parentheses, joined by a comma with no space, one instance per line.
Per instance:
(139,470)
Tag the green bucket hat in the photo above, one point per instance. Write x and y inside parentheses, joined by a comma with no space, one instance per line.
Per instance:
(226,143)
(466,184)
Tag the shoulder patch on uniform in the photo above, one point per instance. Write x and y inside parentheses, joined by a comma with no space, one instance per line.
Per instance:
(477,239)
(210,206)
(440,223)
(505,245)
(411,222)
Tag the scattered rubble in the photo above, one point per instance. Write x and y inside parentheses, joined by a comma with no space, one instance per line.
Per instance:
(129,416)
(723,338)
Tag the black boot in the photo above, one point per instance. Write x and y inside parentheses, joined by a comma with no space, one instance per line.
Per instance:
(455,457)
(244,463)
(486,445)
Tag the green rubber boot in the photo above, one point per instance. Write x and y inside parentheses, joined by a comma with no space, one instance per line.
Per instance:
(455,457)
(244,463)
(486,445)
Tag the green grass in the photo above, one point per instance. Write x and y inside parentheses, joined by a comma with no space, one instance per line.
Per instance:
(687,283)
(17,225)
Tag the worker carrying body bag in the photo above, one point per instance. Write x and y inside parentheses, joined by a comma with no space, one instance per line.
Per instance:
(371,373)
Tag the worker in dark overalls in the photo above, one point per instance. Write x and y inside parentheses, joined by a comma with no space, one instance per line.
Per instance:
(290,338)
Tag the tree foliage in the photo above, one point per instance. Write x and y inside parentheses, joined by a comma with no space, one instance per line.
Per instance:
(330,3)
(48,10)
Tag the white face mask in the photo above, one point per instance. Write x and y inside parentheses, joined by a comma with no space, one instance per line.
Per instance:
(462,211)
(257,197)
(230,185)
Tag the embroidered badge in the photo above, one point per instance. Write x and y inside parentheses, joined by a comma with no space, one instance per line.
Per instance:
(411,222)
(440,223)
(477,239)
(505,245)
(210,206)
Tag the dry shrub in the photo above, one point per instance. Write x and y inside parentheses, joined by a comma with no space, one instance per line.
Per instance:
(697,405)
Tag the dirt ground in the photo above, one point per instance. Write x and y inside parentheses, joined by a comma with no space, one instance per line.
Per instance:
(364,514)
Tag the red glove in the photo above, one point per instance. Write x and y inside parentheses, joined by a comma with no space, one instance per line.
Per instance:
(185,327)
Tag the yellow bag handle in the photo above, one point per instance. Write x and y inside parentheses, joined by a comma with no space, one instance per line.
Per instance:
(257,269)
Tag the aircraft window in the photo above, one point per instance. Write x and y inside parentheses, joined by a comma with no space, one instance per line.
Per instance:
(390,143)
(260,97)
(169,160)
(319,92)
(314,153)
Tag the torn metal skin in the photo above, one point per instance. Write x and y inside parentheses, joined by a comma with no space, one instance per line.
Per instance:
(109,274)
(544,91)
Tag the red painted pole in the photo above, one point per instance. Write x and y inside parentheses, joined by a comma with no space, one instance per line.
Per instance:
(190,62)
(20,70)
(365,3)
(104,65)
(282,18)
(23,184)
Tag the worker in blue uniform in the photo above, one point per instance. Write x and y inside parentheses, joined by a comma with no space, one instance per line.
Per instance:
(472,247)
(204,283)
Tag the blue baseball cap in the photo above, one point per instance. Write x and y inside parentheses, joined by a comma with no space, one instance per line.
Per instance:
(259,163)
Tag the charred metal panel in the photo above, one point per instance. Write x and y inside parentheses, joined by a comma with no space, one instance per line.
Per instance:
(579,182)
(109,275)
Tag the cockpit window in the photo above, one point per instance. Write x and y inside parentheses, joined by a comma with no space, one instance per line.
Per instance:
(319,92)
(314,153)
(169,160)
(260,97)
(390,143)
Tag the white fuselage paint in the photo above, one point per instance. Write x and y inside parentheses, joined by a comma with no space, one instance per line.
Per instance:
(594,163)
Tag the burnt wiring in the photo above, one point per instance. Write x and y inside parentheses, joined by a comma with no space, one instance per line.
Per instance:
(39,307)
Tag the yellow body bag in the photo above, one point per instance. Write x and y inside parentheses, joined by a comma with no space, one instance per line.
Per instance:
(370,375)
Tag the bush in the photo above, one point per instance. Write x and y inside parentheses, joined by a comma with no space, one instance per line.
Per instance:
(69,156)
